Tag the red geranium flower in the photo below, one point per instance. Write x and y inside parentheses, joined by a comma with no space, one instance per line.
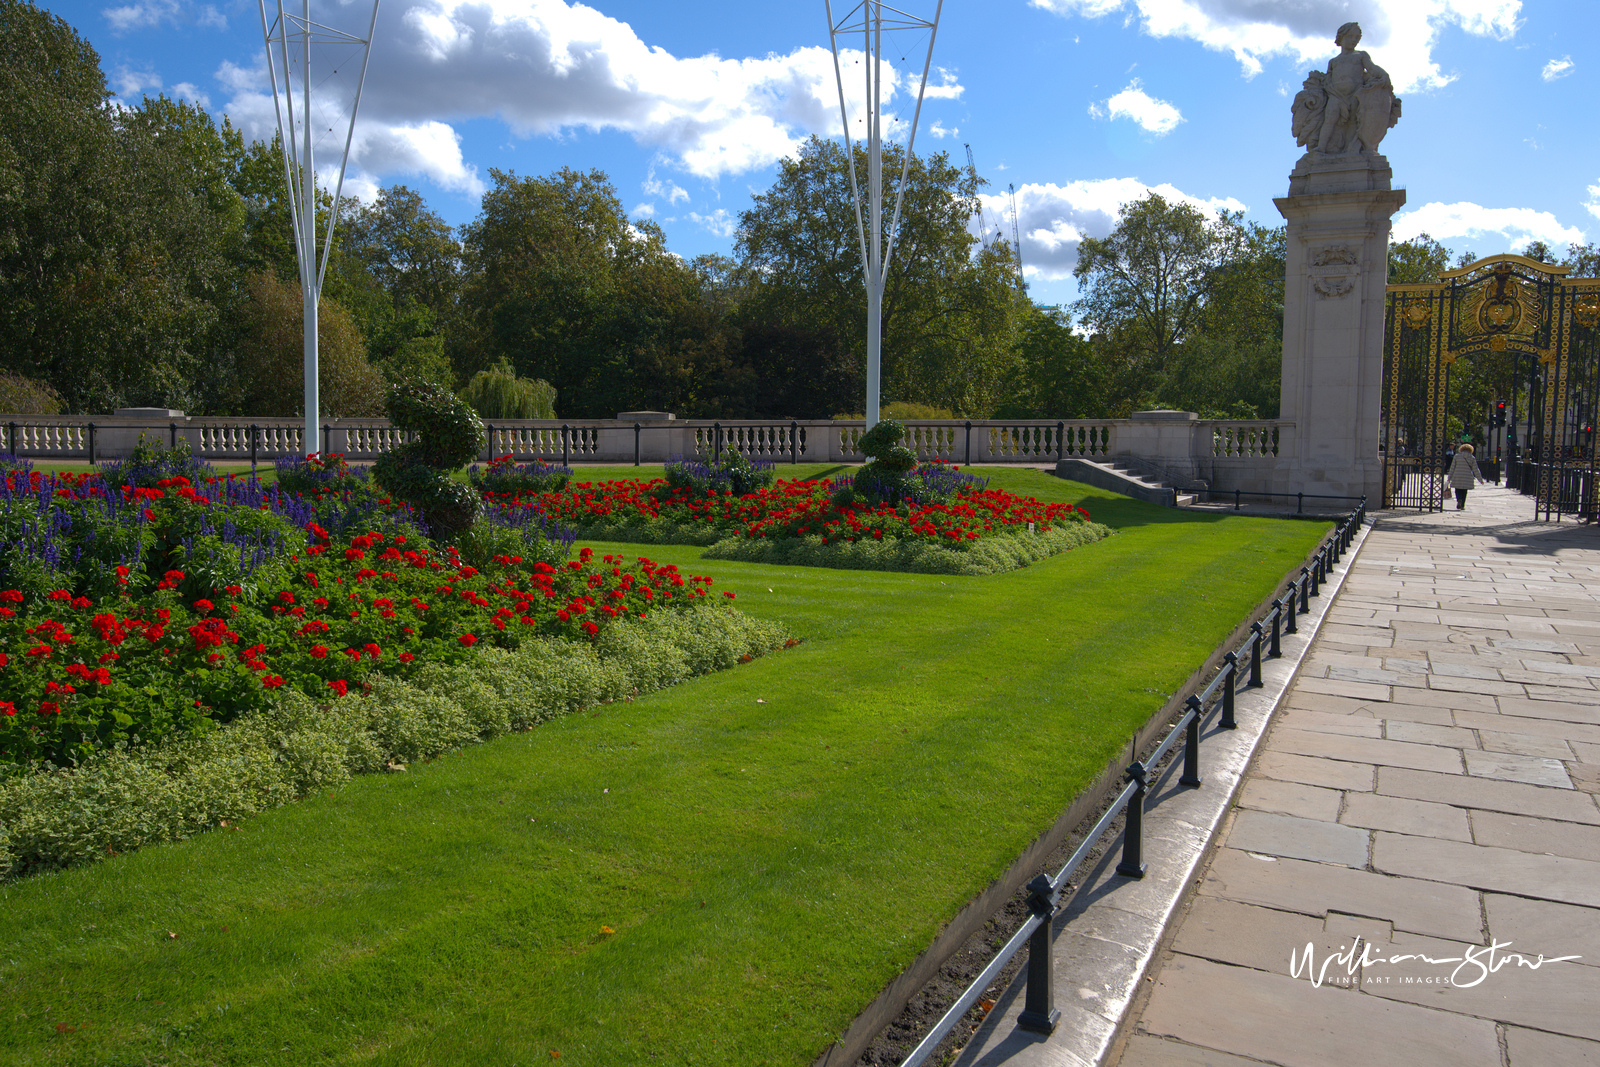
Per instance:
(340,686)
(272,681)
(468,640)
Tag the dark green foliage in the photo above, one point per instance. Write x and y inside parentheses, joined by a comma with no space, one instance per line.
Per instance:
(733,473)
(418,472)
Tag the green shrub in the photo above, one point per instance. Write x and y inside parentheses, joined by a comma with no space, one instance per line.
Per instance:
(505,475)
(990,555)
(733,473)
(120,799)
(418,472)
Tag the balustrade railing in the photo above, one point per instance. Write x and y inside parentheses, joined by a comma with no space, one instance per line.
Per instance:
(1241,669)
(1244,439)
(1231,447)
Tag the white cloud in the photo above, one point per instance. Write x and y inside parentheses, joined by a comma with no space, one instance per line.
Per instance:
(1514,226)
(132,84)
(1155,116)
(1053,219)
(1594,201)
(191,92)
(1400,37)
(673,192)
(719,222)
(644,211)
(549,66)
(142,14)
(940,132)
(1557,68)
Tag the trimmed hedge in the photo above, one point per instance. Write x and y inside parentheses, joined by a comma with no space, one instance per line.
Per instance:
(990,555)
(120,800)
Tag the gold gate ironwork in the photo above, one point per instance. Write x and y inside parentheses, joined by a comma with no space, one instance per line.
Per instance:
(1503,304)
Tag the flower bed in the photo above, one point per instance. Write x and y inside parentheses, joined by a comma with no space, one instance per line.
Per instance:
(120,798)
(971,532)
(131,614)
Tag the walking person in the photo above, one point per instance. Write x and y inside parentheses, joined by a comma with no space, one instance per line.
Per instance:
(1464,474)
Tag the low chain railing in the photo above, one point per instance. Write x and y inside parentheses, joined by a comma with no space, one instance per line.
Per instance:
(1045,893)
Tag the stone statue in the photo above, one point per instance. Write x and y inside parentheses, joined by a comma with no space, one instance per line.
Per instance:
(1348,109)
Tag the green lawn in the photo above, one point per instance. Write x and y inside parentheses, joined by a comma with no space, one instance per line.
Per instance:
(769,845)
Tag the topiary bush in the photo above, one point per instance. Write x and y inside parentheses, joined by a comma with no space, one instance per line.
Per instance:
(418,472)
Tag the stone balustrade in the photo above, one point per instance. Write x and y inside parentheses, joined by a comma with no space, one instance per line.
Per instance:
(1175,447)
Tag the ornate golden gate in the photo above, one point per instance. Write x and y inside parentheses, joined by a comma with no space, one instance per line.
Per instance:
(1551,326)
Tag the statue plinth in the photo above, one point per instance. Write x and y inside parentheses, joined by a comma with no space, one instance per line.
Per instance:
(1338,214)
(1351,173)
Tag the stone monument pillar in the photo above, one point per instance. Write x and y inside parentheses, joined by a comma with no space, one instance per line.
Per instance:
(1338,211)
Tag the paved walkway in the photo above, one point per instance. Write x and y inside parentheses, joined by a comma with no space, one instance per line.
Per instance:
(1429,786)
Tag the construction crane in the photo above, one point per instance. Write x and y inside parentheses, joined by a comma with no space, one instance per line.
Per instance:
(1016,238)
(983,224)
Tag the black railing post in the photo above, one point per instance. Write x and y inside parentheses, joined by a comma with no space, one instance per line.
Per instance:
(1255,657)
(327,433)
(1236,500)
(11,438)
(1305,590)
(1274,650)
(1191,744)
(636,429)
(90,442)
(1290,623)
(1300,503)
(716,442)
(1132,865)
(969,443)
(794,442)
(172,436)
(565,437)
(1039,1013)
(1228,688)
(1061,441)
(255,433)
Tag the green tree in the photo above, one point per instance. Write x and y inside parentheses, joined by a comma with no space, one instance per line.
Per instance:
(272,353)
(1418,261)
(1060,374)
(115,226)
(1146,285)
(399,265)
(562,286)
(950,319)
(497,393)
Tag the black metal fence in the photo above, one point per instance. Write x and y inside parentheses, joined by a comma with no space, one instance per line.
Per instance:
(1039,1013)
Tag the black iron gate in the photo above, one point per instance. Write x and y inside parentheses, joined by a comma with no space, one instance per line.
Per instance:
(1549,326)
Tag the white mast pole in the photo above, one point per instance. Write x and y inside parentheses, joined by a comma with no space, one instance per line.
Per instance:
(309,289)
(299,151)
(873,28)
(877,246)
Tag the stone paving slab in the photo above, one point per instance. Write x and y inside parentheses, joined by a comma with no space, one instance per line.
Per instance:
(1431,786)
(1499,617)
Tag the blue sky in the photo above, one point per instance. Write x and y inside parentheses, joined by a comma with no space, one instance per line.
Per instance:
(1082,104)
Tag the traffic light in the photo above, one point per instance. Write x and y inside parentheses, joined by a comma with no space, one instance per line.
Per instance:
(1500,413)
